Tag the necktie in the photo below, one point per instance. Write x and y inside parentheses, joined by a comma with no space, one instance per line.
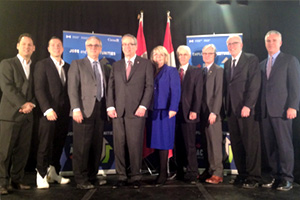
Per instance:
(181,74)
(204,74)
(232,68)
(128,69)
(269,67)
(99,81)
(62,76)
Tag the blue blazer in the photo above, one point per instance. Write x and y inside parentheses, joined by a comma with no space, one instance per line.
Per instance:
(167,89)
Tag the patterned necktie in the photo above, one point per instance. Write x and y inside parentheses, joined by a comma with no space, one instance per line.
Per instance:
(99,81)
(181,74)
(269,67)
(232,68)
(128,69)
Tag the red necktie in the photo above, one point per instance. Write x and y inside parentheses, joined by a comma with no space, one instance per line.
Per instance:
(181,74)
(128,69)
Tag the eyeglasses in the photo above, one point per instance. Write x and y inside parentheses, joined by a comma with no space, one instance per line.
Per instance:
(93,45)
(129,44)
(233,43)
(208,54)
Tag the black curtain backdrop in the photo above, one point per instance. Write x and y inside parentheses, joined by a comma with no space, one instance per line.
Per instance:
(44,19)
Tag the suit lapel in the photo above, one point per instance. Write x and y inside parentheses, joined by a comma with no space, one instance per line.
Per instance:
(276,64)
(133,68)
(228,69)
(89,69)
(20,68)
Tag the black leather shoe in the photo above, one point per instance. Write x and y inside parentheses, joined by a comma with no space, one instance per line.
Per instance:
(3,190)
(205,175)
(250,184)
(85,186)
(268,184)
(284,186)
(237,181)
(119,184)
(136,184)
(20,186)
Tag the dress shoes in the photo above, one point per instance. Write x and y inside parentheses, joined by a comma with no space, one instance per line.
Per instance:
(20,186)
(41,182)
(214,179)
(85,186)
(205,175)
(250,184)
(284,186)
(98,182)
(237,181)
(119,184)
(52,177)
(268,184)
(136,184)
(3,190)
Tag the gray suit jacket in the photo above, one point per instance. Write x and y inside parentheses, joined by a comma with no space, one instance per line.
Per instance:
(82,85)
(127,95)
(214,90)
(16,88)
(282,90)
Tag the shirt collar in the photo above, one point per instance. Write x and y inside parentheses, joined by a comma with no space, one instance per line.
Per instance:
(208,66)
(62,62)
(22,60)
(274,56)
(184,67)
(92,60)
(131,59)
(236,58)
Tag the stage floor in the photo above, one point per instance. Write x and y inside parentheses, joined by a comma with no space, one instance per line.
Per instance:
(173,190)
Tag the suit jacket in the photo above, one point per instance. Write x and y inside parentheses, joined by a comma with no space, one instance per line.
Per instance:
(166,89)
(243,88)
(127,95)
(214,90)
(82,86)
(16,88)
(282,90)
(191,93)
(49,91)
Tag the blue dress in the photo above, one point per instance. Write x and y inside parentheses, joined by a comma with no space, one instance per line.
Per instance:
(166,97)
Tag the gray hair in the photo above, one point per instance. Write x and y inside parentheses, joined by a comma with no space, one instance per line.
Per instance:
(210,46)
(183,47)
(234,36)
(93,37)
(130,36)
(273,32)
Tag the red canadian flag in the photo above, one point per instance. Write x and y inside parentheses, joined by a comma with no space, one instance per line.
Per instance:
(168,42)
(141,43)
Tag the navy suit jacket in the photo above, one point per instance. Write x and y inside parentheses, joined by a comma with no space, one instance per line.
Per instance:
(282,90)
(166,89)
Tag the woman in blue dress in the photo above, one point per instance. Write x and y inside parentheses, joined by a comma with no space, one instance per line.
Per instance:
(161,120)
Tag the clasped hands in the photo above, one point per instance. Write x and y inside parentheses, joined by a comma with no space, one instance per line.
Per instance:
(26,108)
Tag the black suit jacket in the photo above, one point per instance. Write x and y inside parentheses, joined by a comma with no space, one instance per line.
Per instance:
(243,88)
(191,93)
(127,95)
(16,88)
(282,90)
(49,90)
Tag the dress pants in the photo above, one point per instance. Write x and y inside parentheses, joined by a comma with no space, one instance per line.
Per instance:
(87,146)
(277,134)
(15,140)
(246,146)
(128,132)
(52,136)
(213,137)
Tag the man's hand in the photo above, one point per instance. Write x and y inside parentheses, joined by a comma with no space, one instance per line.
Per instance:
(291,113)
(51,116)
(193,115)
(112,114)
(77,116)
(171,114)
(140,112)
(26,108)
(212,118)
(245,111)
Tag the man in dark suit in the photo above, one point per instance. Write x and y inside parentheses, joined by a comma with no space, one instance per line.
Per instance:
(188,115)
(210,122)
(241,88)
(50,77)
(87,82)
(130,90)
(280,94)
(16,117)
